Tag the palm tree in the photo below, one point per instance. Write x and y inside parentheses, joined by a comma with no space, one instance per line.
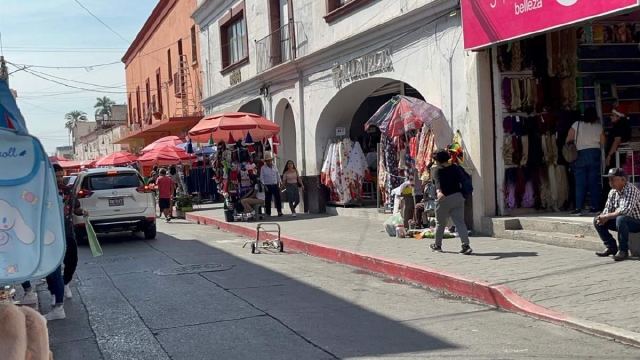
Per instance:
(103,105)
(72,118)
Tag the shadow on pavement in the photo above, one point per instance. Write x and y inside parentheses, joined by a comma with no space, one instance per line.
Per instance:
(506,255)
(183,299)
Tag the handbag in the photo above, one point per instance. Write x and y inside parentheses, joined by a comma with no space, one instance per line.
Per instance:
(570,150)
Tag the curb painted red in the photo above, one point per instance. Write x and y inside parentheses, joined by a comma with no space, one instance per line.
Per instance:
(495,295)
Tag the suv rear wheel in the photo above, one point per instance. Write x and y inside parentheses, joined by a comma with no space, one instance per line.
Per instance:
(150,232)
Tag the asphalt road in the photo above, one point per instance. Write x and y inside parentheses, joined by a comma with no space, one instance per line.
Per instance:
(195,293)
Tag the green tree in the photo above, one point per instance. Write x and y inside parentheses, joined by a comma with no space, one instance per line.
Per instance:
(103,106)
(72,117)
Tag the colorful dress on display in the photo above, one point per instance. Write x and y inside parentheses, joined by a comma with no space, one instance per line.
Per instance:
(358,167)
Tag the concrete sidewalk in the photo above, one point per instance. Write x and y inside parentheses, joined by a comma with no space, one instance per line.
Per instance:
(581,290)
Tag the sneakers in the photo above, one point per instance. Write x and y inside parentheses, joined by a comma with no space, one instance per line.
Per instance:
(53,300)
(576,213)
(57,313)
(435,248)
(67,292)
(466,250)
(30,298)
(294,214)
(594,211)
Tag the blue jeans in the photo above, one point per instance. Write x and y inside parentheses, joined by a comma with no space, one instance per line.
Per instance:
(623,225)
(586,169)
(55,283)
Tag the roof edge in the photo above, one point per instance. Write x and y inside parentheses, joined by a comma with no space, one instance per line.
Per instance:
(158,14)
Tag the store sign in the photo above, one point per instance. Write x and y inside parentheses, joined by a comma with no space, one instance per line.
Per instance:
(486,22)
(235,77)
(362,67)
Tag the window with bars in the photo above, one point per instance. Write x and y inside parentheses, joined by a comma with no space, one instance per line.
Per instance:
(233,39)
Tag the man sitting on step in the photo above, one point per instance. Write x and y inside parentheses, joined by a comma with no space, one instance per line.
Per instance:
(621,213)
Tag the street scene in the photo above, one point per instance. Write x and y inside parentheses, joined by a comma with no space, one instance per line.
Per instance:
(195,293)
(339,179)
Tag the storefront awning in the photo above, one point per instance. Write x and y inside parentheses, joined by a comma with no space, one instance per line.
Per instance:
(487,22)
(150,133)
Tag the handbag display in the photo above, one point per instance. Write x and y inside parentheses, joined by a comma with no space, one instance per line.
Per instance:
(570,150)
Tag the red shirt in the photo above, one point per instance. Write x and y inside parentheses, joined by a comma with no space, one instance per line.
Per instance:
(165,187)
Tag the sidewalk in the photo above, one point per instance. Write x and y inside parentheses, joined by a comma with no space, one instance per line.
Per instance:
(578,289)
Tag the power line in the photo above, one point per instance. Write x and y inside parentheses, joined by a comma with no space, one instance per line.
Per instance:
(86,67)
(71,86)
(102,22)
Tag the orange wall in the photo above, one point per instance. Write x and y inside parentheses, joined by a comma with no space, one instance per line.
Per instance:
(152,55)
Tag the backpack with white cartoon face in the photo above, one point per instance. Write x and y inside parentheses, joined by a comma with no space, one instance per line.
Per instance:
(32,242)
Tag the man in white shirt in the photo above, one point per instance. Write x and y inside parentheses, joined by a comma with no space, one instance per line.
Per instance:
(270,179)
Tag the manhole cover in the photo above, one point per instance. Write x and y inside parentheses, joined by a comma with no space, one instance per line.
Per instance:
(110,261)
(193,269)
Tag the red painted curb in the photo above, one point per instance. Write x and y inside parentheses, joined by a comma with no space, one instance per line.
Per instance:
(495,295)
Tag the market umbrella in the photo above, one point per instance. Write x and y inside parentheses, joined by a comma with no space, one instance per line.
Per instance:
(223,127)
(87,163)
(56,159)
(206,150)
(164,156)
(117,158)
(402,114)
(163,142)
(69,164)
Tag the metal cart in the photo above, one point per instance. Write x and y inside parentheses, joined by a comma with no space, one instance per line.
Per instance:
(266,243)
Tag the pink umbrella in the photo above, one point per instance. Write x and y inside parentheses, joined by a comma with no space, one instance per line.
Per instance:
(164,156)
(235,125)
(171,141)
(69,164)
(117,158)
(87,163)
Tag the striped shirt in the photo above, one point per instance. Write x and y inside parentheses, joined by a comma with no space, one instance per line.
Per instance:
(626,202)
(269,175)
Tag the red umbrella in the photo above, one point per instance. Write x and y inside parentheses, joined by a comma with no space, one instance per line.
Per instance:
(163,142)
(164,156)
(117,158)
(69,164)
(404,113)
(235,125)
(87,163)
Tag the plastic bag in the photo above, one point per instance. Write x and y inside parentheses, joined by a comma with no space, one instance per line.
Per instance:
(390,224)
(96,249)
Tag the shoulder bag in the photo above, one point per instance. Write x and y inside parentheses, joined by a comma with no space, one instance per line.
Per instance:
(570,151)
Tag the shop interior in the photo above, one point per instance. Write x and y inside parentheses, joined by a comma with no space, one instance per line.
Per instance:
(545,84)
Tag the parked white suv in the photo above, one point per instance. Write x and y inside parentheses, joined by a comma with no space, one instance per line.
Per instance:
(117,199)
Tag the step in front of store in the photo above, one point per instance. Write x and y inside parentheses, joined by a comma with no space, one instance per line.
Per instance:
(577,233)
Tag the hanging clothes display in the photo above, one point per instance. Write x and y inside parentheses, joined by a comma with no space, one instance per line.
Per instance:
(343,171)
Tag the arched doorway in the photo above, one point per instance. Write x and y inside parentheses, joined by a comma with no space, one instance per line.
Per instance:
(253,107)
(352,106)
(287,150)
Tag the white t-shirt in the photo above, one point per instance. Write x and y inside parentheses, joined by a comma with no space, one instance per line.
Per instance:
(260,195)
(588,135)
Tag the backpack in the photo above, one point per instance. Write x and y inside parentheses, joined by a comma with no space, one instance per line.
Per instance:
(32,238)
(465,182)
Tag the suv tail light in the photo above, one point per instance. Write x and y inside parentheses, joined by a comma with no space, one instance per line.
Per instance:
(84,193)
(143,189)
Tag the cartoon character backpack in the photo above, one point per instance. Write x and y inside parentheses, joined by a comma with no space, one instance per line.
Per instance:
(32,242)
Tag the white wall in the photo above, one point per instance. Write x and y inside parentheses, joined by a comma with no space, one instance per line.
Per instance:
(313,33)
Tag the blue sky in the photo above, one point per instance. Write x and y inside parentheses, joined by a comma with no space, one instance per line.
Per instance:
(61,33)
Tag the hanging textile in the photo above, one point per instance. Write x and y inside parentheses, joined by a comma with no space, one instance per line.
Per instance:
(393,178)
(326,166)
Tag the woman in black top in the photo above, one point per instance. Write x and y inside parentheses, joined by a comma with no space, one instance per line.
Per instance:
(450,202)
(620,133)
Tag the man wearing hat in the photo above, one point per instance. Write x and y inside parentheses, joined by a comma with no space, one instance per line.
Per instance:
(270,178)
(621,213)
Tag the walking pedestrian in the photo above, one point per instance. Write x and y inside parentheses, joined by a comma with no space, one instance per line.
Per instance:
(292,183)
(165,191)
(270,178)
(449,200)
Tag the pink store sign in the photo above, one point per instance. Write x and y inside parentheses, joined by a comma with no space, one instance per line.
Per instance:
(486,22)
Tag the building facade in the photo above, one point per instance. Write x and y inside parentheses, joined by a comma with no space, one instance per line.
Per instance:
(101,141)
(164,82)
(318,66)
(65,152)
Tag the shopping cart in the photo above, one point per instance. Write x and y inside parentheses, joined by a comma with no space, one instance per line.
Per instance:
(258,243)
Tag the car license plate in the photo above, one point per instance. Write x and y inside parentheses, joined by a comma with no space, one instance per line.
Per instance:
(116,202)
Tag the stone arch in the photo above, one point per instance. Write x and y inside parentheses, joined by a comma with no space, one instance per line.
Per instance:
(341,108)
(288,149)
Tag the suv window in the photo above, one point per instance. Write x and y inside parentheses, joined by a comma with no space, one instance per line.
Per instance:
(109,182)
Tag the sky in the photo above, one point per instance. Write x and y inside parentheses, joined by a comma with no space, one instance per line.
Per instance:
(52,34)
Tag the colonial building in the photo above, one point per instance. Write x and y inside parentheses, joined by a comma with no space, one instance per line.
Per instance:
(163,77)
(322,68)
(102,140)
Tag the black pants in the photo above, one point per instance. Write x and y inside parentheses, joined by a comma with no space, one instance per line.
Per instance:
(70,260)
(272,190)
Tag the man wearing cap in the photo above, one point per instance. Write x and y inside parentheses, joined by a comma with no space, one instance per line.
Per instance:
(270,178)
(621,213)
